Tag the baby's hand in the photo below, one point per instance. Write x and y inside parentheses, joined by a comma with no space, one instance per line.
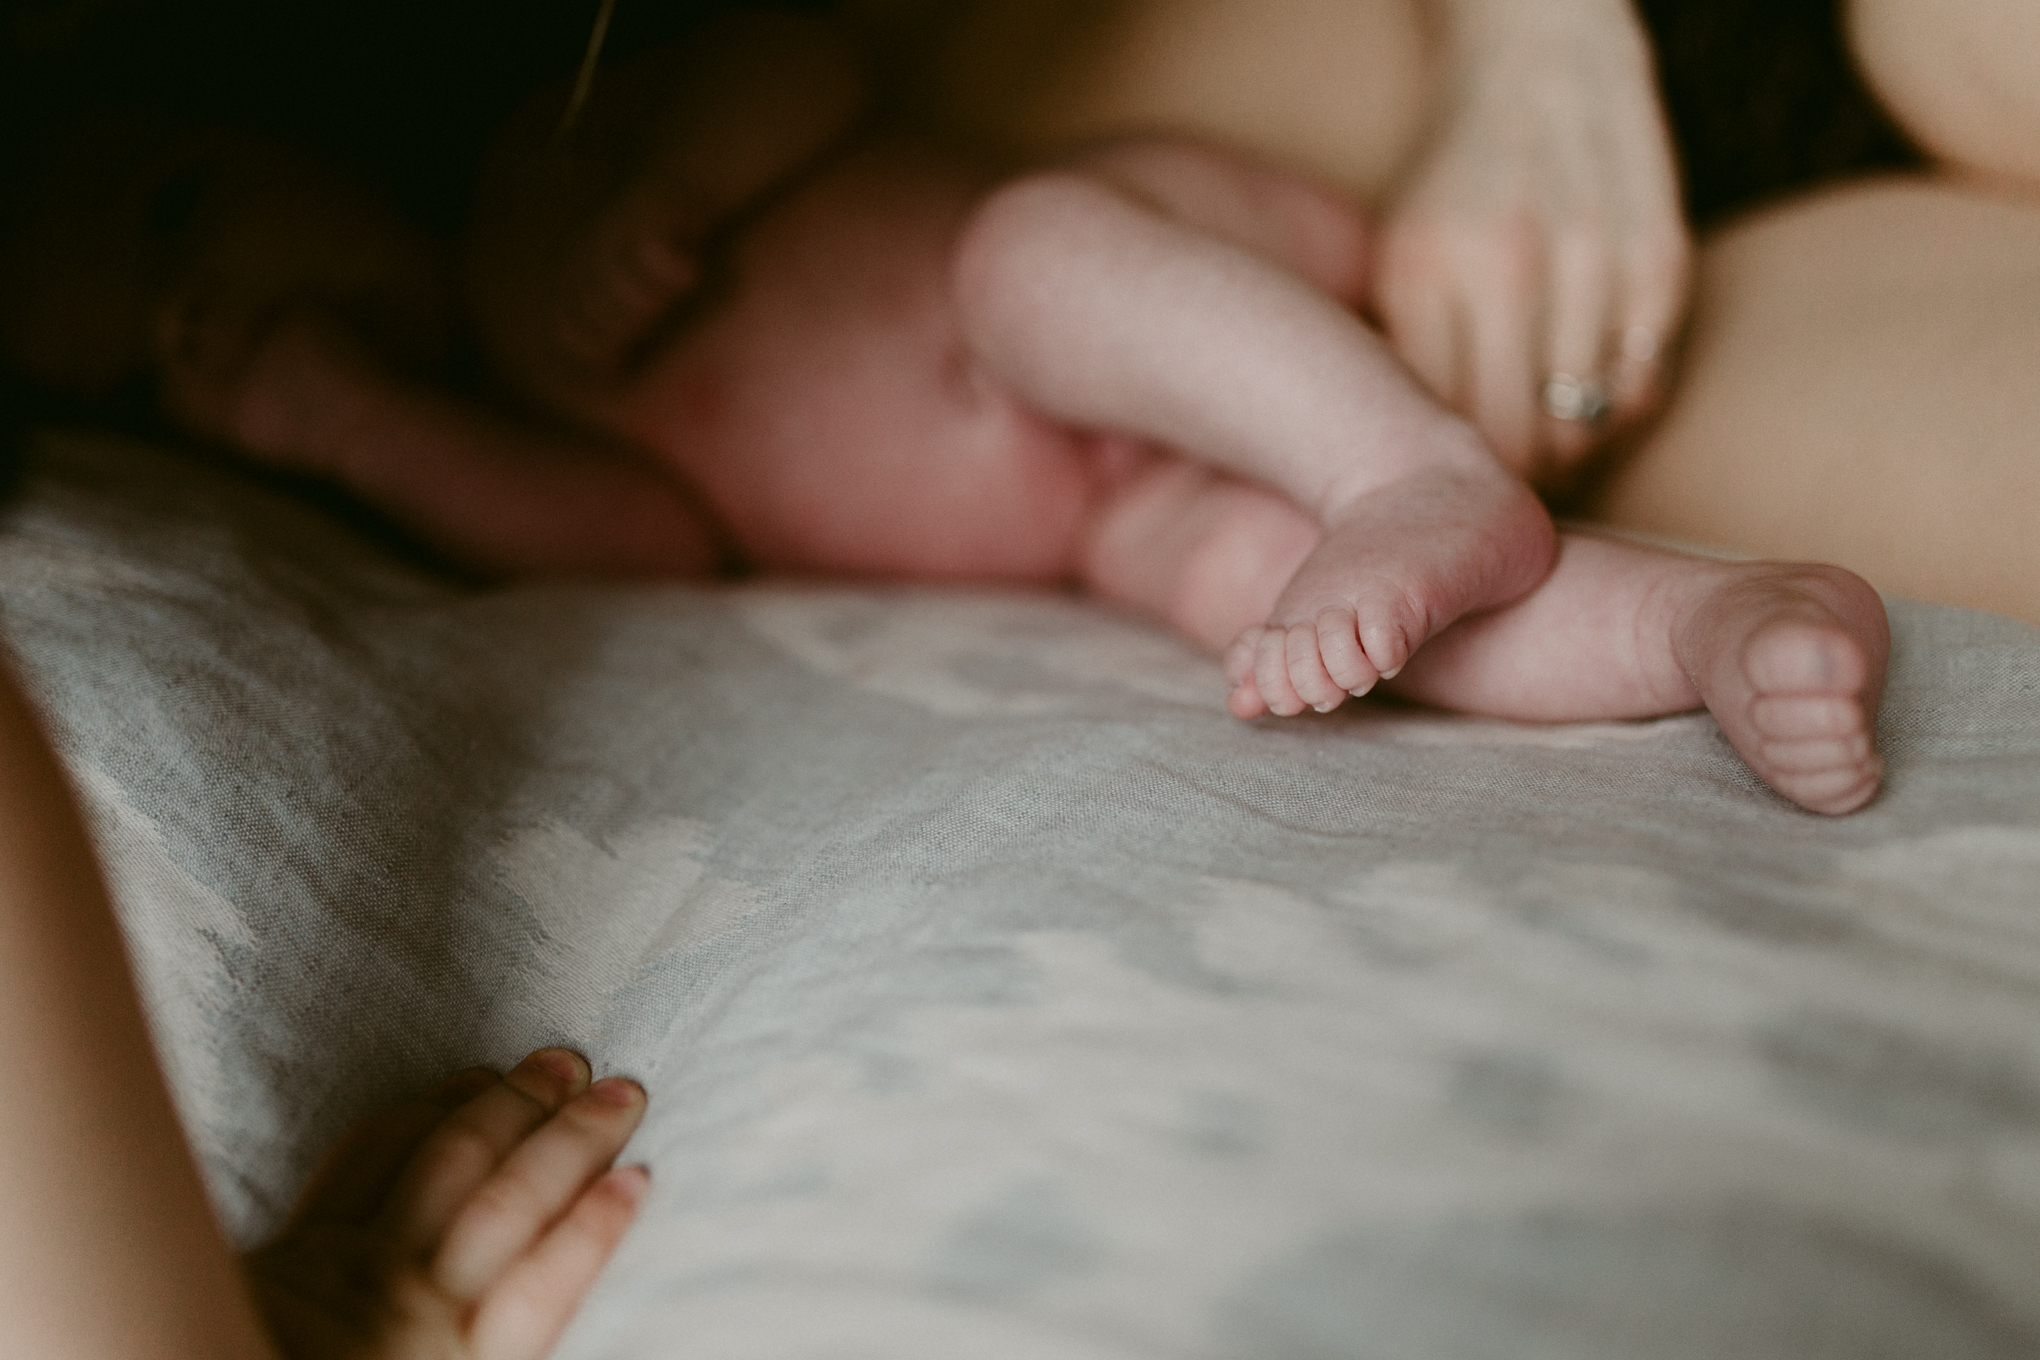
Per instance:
(1535,267)
(468,1223)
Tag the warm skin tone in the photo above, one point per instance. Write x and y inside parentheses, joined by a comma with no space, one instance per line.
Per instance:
(1859,381)
(107,1244)
(1960,77)
(1855,387)
(467,1223)
(1138,370)
(1530,220)
(1858,385)
(1491,218)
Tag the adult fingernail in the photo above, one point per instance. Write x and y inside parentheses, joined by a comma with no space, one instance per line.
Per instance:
(634,1181)
(562,1063)
(621,1092)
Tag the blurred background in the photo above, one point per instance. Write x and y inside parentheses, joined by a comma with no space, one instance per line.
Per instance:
(404,95)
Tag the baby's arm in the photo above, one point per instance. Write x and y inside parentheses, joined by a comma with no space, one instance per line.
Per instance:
(282,312)
(488,490)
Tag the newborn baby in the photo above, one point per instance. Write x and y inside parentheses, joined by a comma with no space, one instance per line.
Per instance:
(1140,370)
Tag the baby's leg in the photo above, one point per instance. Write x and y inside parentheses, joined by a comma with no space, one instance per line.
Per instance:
(1114,296)
(1207,553)
(1789,658)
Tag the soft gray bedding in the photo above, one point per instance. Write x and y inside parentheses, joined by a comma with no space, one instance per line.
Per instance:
(1000,996)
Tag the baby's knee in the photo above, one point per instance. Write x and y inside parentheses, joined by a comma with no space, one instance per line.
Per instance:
(1021,236)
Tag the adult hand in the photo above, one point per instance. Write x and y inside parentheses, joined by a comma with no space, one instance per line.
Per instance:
(466,1225)
(1535,266)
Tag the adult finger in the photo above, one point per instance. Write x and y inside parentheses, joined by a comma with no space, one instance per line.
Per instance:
(1656,277)
(353,1180)
(472,1142)
(1418,306)
(535,1185)
(1580,306)
(1503,278)
(524,1314)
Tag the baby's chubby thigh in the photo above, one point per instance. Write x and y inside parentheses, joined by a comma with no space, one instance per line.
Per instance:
(831,412)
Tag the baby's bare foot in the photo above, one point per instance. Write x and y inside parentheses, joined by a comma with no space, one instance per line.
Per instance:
(470,1222)
(1395,567)
(1790,660)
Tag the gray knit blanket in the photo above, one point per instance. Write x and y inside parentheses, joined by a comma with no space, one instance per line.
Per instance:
(999,996)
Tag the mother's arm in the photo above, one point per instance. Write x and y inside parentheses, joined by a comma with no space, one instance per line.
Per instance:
(467,1224)
(107,1246)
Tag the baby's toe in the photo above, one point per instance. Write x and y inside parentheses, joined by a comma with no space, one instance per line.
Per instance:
(1271,674)
(1806,717)
(1388,646)
(1307,673)
(1244,699)
(1344,658)
(1818,755)
(1795,657)
(1245,702)
(1239,658)
(1835,791)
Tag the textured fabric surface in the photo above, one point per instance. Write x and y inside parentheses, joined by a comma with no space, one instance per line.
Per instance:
(1000,996)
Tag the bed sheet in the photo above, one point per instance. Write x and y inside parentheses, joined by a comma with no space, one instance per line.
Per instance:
(1000,996)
